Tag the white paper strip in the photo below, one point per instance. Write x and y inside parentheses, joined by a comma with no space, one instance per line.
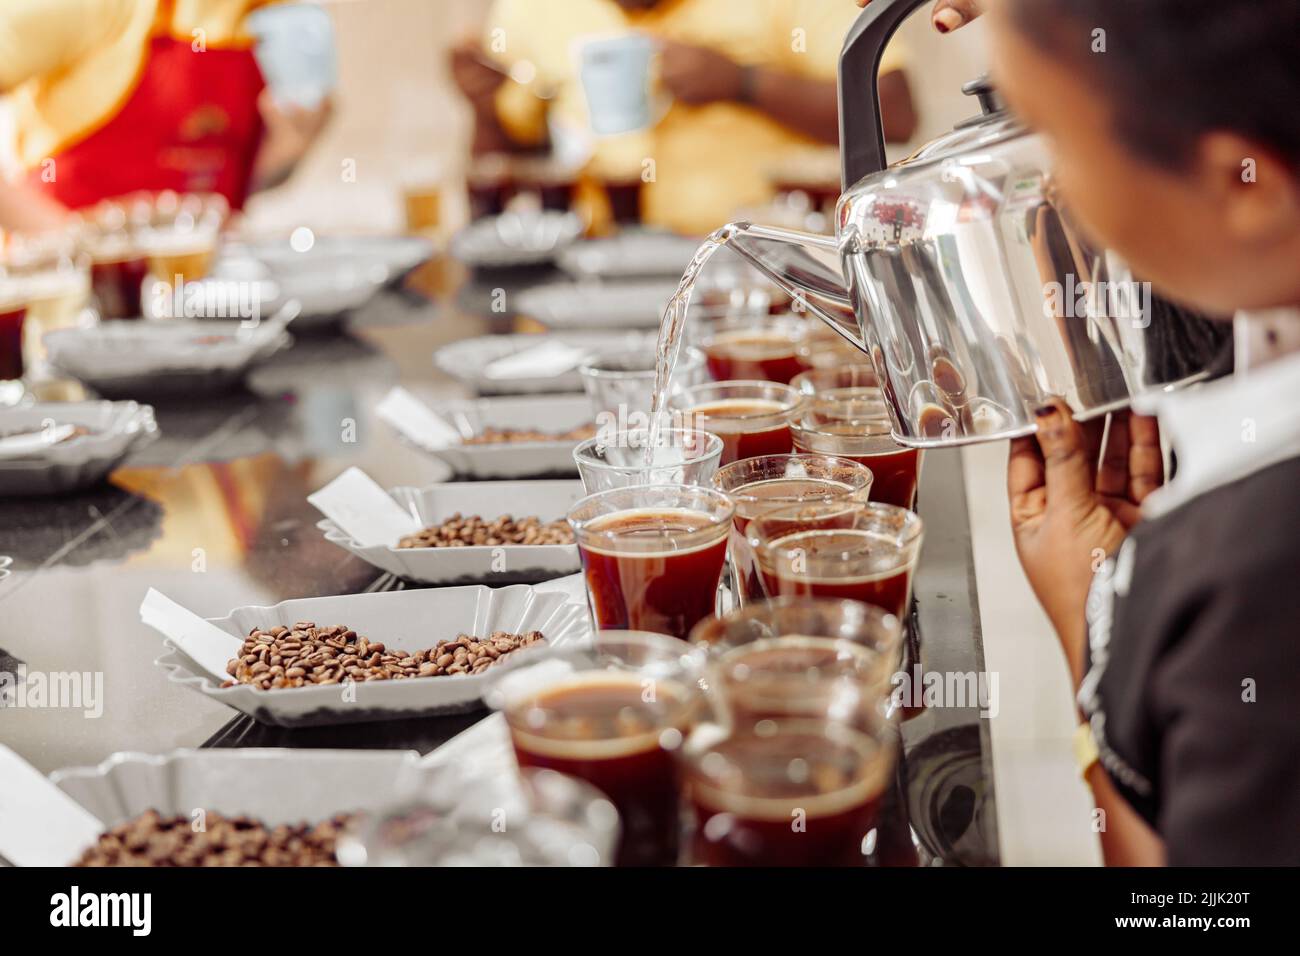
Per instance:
(549,358)
(206,644)
(355,503)
(416,420)
(40,825)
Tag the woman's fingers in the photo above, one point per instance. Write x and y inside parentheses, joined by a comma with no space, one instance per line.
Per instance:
(1112,472)
(1024,467)
(1025,478)
(1067,467)
(1146,461)
(948,15)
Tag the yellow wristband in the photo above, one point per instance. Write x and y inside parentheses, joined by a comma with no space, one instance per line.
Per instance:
(1085,748)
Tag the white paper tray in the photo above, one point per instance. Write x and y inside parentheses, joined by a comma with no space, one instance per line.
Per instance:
(483,564)
(404,620)
(147,358)
(598,305)
(272,785)
(465,360)
(550,413)
(118,429)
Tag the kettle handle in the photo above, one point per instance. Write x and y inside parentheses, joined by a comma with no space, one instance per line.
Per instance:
(862,137)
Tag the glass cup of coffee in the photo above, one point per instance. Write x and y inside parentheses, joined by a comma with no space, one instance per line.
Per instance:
(854,385)
(752,418)
(839,549)
(450,814)
(836,422)
(757,348)
(823,347)
(612,714)
(13,320)
(621,384)
(770,482)
(652,555)
(786,792)
(618,460)
(488,185)
(800,657)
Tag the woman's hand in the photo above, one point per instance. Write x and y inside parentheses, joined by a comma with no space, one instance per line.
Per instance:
(290,132)
(1068,512)
(948,15)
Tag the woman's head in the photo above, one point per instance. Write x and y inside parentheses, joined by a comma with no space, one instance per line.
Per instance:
(1175,133)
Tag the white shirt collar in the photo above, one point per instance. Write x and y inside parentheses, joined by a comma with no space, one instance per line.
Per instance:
(1227,430)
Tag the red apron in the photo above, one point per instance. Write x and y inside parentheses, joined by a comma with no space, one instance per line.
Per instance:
(191,124)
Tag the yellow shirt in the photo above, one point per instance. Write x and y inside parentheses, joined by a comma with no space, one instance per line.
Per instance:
(708,160)
(71,64)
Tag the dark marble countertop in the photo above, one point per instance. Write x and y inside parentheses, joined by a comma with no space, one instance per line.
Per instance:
(214,515)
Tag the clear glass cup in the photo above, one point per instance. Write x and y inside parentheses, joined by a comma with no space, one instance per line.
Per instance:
(786,792)
(50,274)
(621,384)
(754,348)
(855,431)
(801,657)
(618,460)
(13,322)
(768,482)
(752,418)
(652,555)
(839,549)
(855,383)
(611,714)
(823,347)
(453,815)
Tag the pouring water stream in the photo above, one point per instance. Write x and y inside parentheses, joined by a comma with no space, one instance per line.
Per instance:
(671,328)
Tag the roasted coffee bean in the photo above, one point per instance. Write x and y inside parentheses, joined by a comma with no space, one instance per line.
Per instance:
(497,436)
(153,840)
(459,531)
(308,654)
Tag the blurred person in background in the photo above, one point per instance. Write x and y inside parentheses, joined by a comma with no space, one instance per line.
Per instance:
(113,96)
(751,81)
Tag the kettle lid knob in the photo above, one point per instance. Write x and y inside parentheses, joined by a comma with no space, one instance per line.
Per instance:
(982,88)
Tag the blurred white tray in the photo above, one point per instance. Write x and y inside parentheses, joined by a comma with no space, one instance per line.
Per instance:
(466,359)
(274,785)
(117,430)
(635,253)
(148,357)
(515,239)
(504,460)
(598,305)
(486,564)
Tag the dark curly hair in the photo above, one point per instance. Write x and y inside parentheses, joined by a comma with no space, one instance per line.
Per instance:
(1173,70)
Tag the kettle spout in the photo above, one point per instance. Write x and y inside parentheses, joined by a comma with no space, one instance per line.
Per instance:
(805,265)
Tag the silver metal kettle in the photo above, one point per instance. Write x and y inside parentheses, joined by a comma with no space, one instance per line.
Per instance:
(959,272)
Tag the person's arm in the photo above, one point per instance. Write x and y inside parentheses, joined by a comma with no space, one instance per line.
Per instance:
(698,75)
(40,37)
(290,132)
(24,210)
(1072,500)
